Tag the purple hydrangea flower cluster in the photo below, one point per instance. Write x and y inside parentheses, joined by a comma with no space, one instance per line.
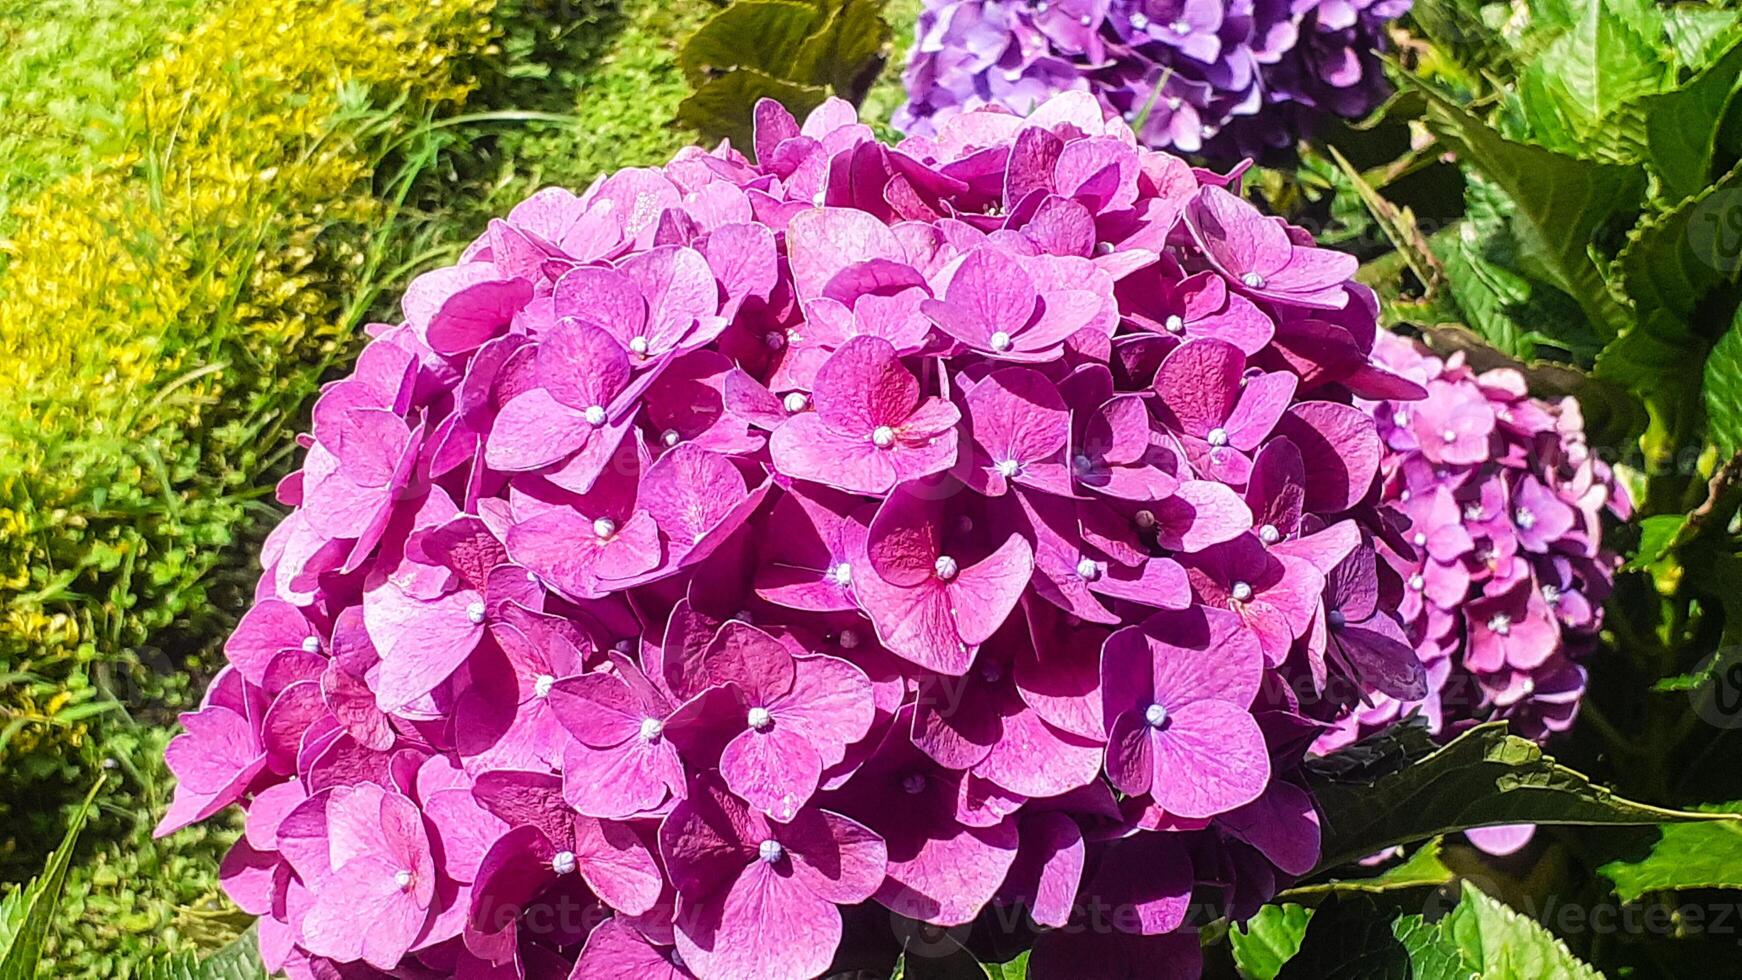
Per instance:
(937,527)
(1503,503)
(1221,78)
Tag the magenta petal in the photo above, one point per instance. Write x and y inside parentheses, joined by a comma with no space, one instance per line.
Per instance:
(1048,868)
(1282,824)
(946,880)
(775,771)
(1209,760)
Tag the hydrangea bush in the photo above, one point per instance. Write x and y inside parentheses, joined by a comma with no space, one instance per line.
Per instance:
(973,523)
(1224,79)
(1504,502)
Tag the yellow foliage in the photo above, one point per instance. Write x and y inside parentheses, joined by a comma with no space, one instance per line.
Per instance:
(165,314)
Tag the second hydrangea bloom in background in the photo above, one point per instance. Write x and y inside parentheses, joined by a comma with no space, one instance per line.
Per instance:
(1222,78)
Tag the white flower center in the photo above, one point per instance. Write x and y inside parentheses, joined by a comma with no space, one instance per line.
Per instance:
(1500,623)
(883,437)
(1088,569)
(1175,323)
(1155,715)
(1174,102)
(1007,468)
(475,613)
(670,437)
(820,197)
(759,718)
(1180,27)
(595,415)
(651,728)
(542,684)
(1217,437)
(774,340)
(842,574)
(604,527)
(945,567)
(1417,582)
(1269,534)
(1138,21)
(1528,687)
(311,644)
(1551,594)
(638,344)
(794,402)
(1336,618)
(564,863)
(402,879)
(1420,538)
(1405,495)
(770,850)
(848,639)
(913,783)
(1242,591)
(1400,418)
(1000,341)
(1524,518)
(1251,279)
(1448,437)
(1082,463)
(1473,512)
(1144,519)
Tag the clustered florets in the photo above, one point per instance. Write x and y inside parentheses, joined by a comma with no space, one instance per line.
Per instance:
(1503,501)
(1222,78)
(968,523)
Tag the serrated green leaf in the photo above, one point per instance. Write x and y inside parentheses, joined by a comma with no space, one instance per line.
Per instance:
(722,107)
(847,51)
(1263,943)
(1458,28)
(765,35)
(1483,778)
(1016,969)
(1707,855)
(27,913)
(1601,62)
(1698,32)
(1432,955)
(240,960)
(1676,256)
(1723,390)
(1681,125)
(1558,203)
(1501,944)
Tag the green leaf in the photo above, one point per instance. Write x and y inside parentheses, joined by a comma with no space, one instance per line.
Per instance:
(1558,204)
(1603,61)
(847,52)
(1674,257)
(1723,390)
(722,107)
(240,960)
(1692,855)
(1500,944)
(1698,31)
(762,34)
(27,912)
(1457,27)
(1399,227)
(1432,954)
(1656,535)
(1016,969)
(1350,939)
(1681,126)
(1268,940)
(1483,778)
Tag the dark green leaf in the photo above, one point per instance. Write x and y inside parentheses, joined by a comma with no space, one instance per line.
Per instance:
(1693,855)
(762,34)
(1558,204)
(1676,256)
(847,50)
(1723,389)
(1399,227)
(1681,126)
(1432,954)
(27,912)
(1483,778)
(1350,939)
(1457,27)
(1268,940)
(1500,944)
(722,107)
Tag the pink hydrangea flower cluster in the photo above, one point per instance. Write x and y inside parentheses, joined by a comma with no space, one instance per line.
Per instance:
(1503,500)
(961,525)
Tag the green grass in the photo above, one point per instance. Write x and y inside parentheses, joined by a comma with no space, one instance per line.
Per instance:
(66,69)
